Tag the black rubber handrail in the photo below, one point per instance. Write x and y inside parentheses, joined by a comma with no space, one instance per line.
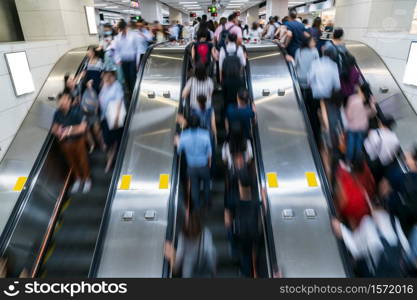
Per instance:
(172,222)
(30,182)
(317,157)
(95,263)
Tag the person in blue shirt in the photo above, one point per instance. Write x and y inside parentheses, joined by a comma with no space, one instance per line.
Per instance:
(196,144)
(296,34)
(243,112)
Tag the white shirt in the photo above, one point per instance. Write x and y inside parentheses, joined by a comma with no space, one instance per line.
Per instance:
(145,37)
(324,78)
(231,48)
(255,34)
(127,46)
(227,155)
(383,144)
(365,241)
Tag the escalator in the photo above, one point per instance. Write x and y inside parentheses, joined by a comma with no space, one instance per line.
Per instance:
(299,202)
(64,245)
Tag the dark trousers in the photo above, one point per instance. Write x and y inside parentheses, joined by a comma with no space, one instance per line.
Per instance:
(129,72)
(198,174)
(354,145)
(312,106)
(76,155)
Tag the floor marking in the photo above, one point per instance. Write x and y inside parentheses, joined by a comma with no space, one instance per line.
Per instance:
(20,184)
(272,179)
(163,181)
(311,179)
(125,182)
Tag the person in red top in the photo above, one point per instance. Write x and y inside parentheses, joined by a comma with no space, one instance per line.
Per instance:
(353,189)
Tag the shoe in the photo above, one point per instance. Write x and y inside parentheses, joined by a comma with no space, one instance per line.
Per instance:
(87,186)
(76,187)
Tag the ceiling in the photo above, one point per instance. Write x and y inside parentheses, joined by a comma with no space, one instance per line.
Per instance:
(201,6)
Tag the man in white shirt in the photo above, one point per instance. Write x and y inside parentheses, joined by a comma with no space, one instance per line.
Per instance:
(145,38)
(127,51)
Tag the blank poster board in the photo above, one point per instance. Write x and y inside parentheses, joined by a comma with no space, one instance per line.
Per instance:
(20,74)
(410,76)
(91,19)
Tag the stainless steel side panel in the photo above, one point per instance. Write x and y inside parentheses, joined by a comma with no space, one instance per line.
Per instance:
(304,247)
(378,76)
(22,153)
(135,248)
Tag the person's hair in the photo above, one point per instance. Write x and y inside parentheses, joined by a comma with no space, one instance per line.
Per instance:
(122,24)
(202,100)
(271,21)
(388,122)
(317,23)
(293,14)
(305,21)
(63,94)
(198,19)
(200,72)
(232,37)
(204,18)
(194,122)
(96,52)
(358,164)
(246,27)
(276,18)
(232,17)
(203,33)
(285,19)
(223,21)
(107,25)
(193,228)
(305,43)
(210,25)
(338,33)
(243,95)
(254,25)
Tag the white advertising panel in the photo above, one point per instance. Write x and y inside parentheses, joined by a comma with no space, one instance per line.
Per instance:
(410,76)
(91,19)
(20,73)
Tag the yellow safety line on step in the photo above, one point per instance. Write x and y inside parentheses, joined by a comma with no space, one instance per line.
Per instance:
(311,179)
(163,181)
(125,182)
(272,180)
(20,183)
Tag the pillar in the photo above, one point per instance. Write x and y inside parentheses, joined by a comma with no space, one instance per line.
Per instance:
(151,10)
(55,20)
(252,14)
(276,8)
(175,15)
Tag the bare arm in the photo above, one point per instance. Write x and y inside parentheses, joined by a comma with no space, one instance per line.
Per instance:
(213,126)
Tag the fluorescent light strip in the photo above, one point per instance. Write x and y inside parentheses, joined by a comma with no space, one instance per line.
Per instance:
(190,2)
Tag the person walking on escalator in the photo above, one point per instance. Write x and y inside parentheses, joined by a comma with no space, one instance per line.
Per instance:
(242,112)
(296,33)
(231,56)
(94,68)
(69,127)
(202,50)
(127,51)
(199,84)
(196,144)
(113,114)
(195,255)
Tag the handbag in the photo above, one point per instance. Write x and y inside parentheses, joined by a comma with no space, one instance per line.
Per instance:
(115,114)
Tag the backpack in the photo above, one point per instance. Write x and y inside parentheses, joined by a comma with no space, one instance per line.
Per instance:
(203,52)
(224,34)
(231,60)
(344,61)
(245,222)
(202,267)
(391,262)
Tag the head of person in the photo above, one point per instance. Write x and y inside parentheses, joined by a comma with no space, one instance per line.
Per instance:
(194,122)
(92,52)
(203,34)
(246,27)
(276,19)
(271,21)
(107,29)
(255,26)
(192,227)
(198,19)
(243,97)
(202,100)
(285,19)
(387,122)
(122,26)
(109,76)
(233,18)
(64,101)
(69,82)
(317,23)
(203,18)
(309,42)
(210,25)
(223,21)
(200,72)
(338,33)
(305,21)
(293,14)
(232,38)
